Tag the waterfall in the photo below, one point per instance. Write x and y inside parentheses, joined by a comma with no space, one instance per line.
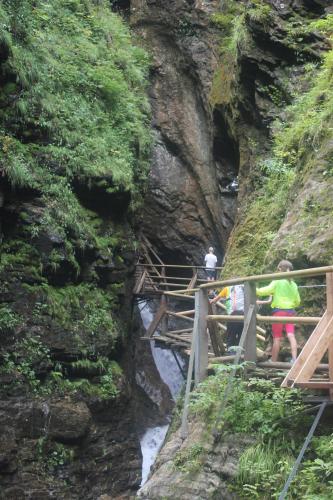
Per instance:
(169,371)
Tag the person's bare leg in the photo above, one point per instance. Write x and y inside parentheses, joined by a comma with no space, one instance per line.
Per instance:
(275,349)
(293,346)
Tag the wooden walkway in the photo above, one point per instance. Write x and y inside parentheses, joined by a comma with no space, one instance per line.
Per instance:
(202,326)
(153,277)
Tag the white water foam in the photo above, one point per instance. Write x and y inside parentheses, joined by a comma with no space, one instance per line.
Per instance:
(151,443)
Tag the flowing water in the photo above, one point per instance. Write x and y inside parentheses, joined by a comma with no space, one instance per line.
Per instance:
(169,371)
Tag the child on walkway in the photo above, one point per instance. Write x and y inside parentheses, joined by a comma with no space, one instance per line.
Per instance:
(233,296)
(285,299)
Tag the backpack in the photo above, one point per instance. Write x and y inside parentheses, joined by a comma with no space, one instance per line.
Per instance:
(236,298)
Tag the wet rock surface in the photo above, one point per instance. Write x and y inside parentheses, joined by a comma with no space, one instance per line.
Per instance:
(68,448)
(217,465)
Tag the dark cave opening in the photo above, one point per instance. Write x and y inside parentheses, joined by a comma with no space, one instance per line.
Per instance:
(98,199)
(121,6)
(226,153)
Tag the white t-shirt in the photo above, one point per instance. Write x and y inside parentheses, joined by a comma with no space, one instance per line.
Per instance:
(210,260)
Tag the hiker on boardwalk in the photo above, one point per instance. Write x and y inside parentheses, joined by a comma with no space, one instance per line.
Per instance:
(233,296)
(285,299)
(210,263)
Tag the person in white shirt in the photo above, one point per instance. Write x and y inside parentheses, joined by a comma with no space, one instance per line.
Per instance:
(210,263)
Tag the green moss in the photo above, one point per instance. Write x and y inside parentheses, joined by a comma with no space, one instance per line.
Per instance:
(107,376)
(83,310)
(19,257)
(310,119)
(302,152)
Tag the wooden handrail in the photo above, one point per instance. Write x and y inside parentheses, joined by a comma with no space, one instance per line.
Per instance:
(177,266)
(182,291)
(302,273)
(302,320)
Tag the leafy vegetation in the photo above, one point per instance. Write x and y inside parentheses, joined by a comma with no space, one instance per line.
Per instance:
(277,422)
(73,106)
(8,320)
(79,308)
(254,405)
(52,455)
(301,147)
(262,219)
(311,119)
(23,362)
(189,459)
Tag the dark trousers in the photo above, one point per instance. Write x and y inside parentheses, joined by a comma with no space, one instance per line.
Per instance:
(234,330)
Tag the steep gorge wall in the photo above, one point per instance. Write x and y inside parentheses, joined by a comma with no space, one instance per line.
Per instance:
(187,207)
(74,145)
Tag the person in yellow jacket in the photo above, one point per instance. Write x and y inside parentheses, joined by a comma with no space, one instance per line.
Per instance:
(285,297)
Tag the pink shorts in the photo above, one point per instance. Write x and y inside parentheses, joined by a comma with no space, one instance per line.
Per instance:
(277,328)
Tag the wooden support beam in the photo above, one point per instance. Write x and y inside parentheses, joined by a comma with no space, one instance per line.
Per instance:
(164,305)
(225,317)
(185,292)
(201,348)
(156,320)
(194,278)
(179,332)
(168,341)
(167,283)
(140,282)
(299,320)
(329,301)
(314,384)
(220,305)
(151,248)
(250,306)
(306,351)
(322,367)
(177,337)
(318,351)
(189,312)
(302,273)
(184,425)
(178,315)
(218,347)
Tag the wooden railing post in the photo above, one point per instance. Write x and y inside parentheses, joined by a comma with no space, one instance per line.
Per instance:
(250,345)
(164,304)
(329,300)
(201,348)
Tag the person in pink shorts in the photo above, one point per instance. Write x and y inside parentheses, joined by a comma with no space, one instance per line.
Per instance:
(285,298)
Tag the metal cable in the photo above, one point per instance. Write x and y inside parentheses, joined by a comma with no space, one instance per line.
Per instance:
(293,472)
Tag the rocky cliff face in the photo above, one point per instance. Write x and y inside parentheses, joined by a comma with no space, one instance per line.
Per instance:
(70,176)
(188,206)
(223,73)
